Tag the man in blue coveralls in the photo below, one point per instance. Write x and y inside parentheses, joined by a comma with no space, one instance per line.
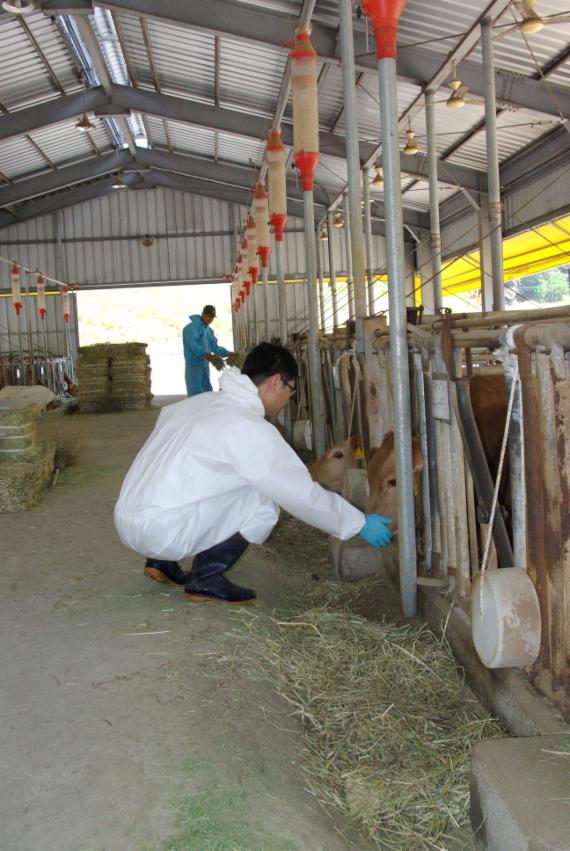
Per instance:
(199,343)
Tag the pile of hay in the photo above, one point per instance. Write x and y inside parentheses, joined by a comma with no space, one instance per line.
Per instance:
(26,463)
(113,377)
(388,727)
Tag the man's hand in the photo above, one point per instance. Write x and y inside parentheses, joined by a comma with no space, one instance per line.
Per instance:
(375,531)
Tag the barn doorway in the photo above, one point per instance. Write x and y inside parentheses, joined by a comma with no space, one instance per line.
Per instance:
(156,316)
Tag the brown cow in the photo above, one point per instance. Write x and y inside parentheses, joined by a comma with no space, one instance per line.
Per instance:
(382,483)
(329,469)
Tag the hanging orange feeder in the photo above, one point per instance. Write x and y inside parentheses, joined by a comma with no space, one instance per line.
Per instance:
(305,108)
(252,264)
(15,282)
(384,15)
(41,295)
(275,156)
(261,206)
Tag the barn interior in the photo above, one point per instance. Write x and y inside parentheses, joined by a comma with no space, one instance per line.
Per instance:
(384,188)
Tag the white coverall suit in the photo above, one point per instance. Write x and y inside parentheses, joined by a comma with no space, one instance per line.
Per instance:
(213,466)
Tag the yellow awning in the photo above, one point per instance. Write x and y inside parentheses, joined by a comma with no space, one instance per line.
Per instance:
(535,250)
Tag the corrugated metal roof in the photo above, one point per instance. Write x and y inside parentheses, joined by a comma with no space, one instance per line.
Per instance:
(249,80)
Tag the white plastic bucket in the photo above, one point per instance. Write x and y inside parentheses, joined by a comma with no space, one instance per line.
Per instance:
(505,618)
(355,488)
(303,434)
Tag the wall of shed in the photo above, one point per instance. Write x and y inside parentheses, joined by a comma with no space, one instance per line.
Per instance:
(98,243)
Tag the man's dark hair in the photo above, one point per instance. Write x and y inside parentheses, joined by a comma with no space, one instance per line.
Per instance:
(209,310)
(269,359)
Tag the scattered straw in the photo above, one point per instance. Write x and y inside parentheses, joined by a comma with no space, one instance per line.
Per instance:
(388,728)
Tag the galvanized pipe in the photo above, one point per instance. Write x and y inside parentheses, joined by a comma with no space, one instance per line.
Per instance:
(494,186)
(423,435)
(516,452)
(398,334)
(321,285)
(504,317)
(314,353)
(435,235)
(332,268)
(354,206)
(264,272)
(368,240)
(348,249)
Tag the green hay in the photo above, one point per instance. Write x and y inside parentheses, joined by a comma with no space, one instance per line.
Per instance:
(216,818)
(22,484)
(388,728)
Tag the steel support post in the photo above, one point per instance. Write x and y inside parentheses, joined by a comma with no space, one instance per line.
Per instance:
(314,353)
(321,286)
(493,165)
(282,302)
(264,274)
(368,241)
(435,234)
(348,249)
(332,268)
(398,334)
(353,167)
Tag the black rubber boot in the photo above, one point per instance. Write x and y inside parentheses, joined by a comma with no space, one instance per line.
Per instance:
(167,572)
(205,581)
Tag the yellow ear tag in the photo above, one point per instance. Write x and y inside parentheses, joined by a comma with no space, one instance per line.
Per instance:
(358,453)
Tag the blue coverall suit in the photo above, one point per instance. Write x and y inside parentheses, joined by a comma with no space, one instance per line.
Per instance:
(199,340)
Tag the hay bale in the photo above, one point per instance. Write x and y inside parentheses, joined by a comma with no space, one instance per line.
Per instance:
(114,377)
(19,433)
(22,483)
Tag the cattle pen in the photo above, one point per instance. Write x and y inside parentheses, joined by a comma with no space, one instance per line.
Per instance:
(381,186)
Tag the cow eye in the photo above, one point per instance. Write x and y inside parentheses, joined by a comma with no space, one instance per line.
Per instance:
(392,483)
(338,455)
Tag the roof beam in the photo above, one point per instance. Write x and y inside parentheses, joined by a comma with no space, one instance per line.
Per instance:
(24,190)
(269,27)
(544,152)
(61,109)
(76,195)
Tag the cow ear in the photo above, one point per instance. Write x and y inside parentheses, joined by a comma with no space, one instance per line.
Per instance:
(417,455)
(370,453)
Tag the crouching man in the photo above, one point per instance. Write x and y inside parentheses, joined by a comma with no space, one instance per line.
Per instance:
(212,475)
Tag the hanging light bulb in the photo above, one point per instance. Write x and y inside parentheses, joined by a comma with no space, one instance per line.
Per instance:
(18,7)
(119,183)
(84,125)
(411,147)
(324,233)
(338,220)
(378,179)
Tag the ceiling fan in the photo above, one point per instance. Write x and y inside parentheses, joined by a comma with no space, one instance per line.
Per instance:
(531,22)
(457,97)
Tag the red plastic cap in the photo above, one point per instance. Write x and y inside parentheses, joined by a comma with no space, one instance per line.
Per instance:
(260,191)
(306,162)
(254,272)
(42,312)
(17,307)
(275,143)
(263,252)
(303,47)
(278,221)
(247,285)
(384,15)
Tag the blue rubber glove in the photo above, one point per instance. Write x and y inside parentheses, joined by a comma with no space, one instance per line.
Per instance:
(375,531)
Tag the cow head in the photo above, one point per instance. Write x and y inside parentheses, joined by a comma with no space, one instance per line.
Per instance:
(329,469)
(382,482)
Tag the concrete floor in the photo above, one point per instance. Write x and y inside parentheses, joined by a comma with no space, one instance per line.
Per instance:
(111,719)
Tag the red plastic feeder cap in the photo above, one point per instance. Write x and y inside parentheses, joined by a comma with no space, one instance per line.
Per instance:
(247,285)
(384,15)
(17,307)
(42,312)
(278,222)
(254,272)
(264,255)
(242,295)
(306,162)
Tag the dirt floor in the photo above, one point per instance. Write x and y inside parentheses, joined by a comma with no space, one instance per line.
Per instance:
(115,734)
